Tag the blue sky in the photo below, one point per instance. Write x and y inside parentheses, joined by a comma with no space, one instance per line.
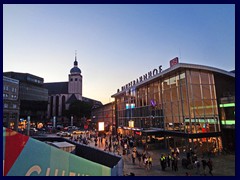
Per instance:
(115,43)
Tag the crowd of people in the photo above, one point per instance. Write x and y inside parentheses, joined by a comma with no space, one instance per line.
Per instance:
(126,146)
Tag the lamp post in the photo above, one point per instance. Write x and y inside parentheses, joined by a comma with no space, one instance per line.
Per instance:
(71,120)
(28,125)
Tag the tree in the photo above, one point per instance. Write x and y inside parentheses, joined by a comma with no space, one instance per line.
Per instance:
(80,109)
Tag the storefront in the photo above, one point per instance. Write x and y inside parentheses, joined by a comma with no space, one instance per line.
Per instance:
(177,106)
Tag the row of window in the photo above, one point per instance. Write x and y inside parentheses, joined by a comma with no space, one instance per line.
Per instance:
(196,126)
(76,79)
(34,80)
(6,105)
(9,116)
(12,96)
(7,88)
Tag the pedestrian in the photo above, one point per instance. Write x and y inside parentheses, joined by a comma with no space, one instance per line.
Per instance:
(128,152)
(96,140)
(197,166)
(163,162)
(175,163)
(169,157)
(133,157)
(145,162)
(210,166)
(204,165)
(150,161)
(177,151)
(139,158)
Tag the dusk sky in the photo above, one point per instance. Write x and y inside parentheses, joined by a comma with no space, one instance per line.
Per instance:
(115,43)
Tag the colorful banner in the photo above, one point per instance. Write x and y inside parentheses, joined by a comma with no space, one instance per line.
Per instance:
(25,156)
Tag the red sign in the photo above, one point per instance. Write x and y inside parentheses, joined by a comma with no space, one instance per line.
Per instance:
(174,61)
(138,133)
(85,126)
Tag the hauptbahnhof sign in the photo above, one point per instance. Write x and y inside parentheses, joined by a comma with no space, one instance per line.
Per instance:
(148,75)
(142,78)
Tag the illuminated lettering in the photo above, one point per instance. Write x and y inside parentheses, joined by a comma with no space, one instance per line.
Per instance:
(142,78)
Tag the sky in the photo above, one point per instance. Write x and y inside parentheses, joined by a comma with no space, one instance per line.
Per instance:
(115,44)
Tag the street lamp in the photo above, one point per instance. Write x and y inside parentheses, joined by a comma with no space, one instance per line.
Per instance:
(28,125)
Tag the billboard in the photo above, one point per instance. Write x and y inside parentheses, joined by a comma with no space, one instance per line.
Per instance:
(174,61)
(25,156)
(100,126)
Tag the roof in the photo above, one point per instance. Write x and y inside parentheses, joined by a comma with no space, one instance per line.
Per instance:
(56,87)
(71,99)
(88,152)
(174,68)
(75,70)
(62,144)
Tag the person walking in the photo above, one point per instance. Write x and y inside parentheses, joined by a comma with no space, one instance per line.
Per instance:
(139,156)
(149,162)
(163,162)
(204,165)
(175,163)
(197,166)
(169,157)
(146,162)
(210,166)
(133,157)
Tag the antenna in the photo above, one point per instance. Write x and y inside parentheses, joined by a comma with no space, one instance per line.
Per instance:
(75,55)
(180,57)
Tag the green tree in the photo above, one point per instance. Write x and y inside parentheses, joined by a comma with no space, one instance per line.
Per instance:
(80,109)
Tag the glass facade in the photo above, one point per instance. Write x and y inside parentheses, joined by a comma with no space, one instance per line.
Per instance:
(183,101)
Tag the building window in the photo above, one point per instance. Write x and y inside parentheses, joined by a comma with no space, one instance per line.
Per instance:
(5,95)
(5,105)
(71,79)
(5,88)
(75,79)
(14,106)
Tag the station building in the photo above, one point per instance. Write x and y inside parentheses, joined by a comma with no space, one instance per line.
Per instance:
(176,107)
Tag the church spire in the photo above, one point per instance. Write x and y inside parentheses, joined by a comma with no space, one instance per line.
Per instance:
(75,69)
(75,62)
(75,55)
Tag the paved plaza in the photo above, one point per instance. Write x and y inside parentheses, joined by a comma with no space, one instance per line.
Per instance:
(223,165)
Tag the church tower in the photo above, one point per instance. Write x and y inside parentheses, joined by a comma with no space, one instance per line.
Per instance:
(75,80)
